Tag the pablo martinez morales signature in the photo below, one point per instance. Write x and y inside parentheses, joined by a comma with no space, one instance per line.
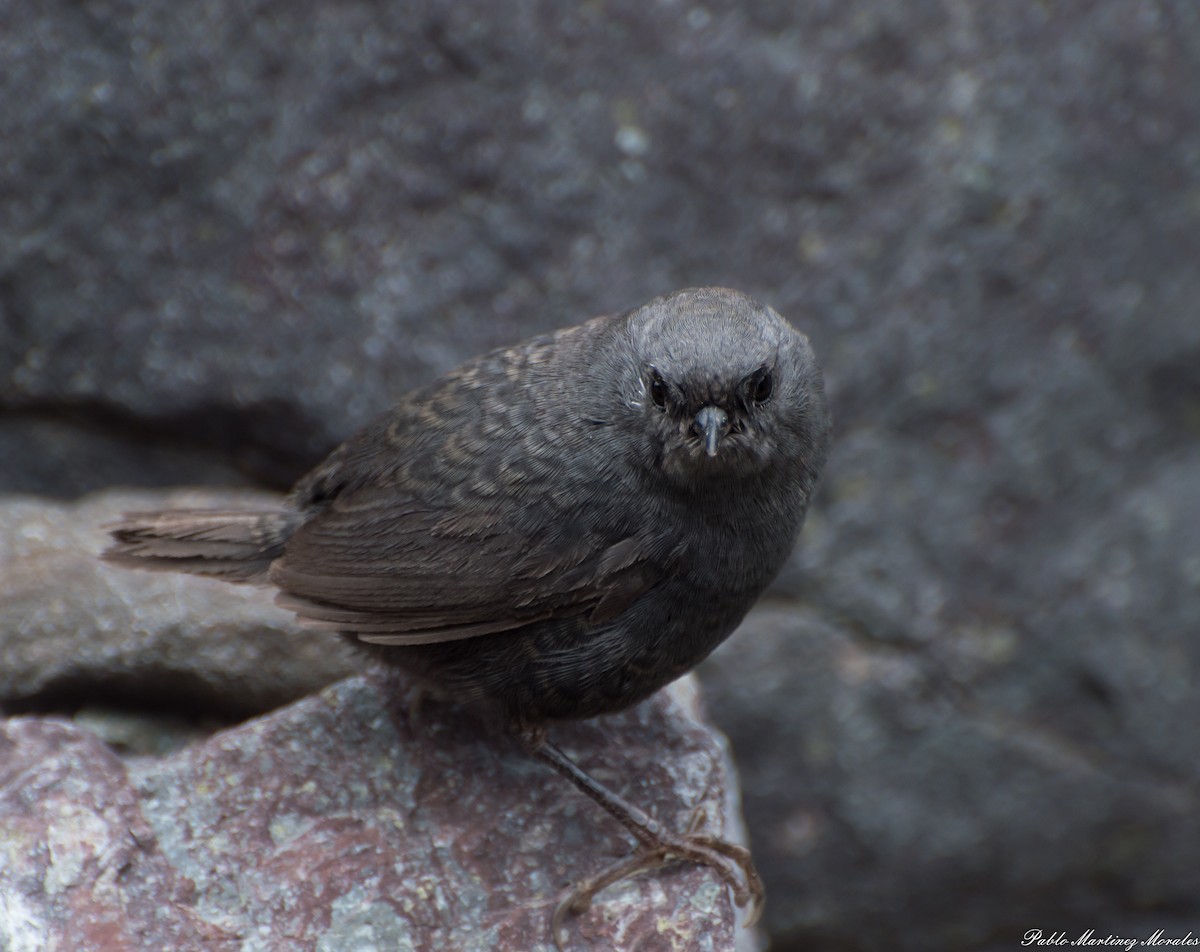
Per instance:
(1036,937)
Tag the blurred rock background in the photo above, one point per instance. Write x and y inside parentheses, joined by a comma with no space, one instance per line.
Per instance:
(231,232)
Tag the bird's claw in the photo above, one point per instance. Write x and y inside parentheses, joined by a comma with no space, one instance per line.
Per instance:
(730,861)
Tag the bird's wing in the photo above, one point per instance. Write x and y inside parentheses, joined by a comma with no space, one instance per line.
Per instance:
(397,570)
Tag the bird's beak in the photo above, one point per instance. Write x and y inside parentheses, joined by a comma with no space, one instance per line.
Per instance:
(711,424)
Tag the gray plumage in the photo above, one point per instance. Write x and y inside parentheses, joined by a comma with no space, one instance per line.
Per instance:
(556,529)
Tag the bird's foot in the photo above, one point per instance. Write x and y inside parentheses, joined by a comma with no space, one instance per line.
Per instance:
(656,847)
(730,861)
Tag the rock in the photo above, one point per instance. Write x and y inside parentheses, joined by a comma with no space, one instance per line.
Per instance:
(74,630)
(80,867)
(335,824)
(880,778)
(257,231)
(56,457)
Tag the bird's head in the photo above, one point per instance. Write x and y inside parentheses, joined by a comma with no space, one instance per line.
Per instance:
(722,386)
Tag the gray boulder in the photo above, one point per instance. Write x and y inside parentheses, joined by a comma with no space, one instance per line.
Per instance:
(75,631)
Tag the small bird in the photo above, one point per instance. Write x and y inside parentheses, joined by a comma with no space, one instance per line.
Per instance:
(552,531)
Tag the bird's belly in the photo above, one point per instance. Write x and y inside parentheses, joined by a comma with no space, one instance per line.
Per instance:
(568,668)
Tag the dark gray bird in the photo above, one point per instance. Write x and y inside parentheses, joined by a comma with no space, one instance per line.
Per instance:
(551,531)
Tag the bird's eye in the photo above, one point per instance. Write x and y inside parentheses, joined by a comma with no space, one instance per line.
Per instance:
(761,386)
(658,389)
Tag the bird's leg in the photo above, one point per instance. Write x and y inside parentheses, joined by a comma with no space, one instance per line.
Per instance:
(656,847)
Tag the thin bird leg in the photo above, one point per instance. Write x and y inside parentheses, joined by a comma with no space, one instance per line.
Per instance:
(657,846)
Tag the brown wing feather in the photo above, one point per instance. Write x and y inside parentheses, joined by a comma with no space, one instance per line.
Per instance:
(456,515)
(398,572)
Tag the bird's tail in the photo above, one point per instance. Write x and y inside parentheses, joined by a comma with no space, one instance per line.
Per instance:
(232,545)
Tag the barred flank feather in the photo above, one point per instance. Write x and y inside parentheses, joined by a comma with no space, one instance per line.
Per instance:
(230,545)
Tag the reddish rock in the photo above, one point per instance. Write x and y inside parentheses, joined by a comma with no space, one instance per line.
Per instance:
(336,824)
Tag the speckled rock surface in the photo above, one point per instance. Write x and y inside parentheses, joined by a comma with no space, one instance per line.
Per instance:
(859,756)
(336,824)
(238,231)
(74,630)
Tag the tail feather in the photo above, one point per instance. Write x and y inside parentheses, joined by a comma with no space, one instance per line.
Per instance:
(236,546)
